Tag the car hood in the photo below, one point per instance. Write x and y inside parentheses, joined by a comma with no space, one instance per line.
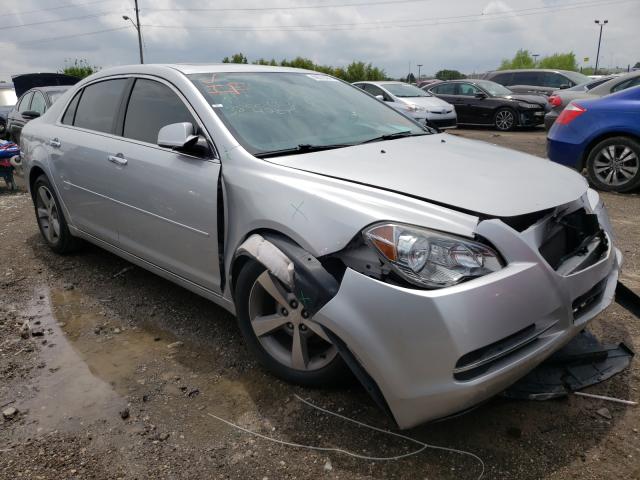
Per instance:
(429,102)
(27,81)
(465,174)
(537,99)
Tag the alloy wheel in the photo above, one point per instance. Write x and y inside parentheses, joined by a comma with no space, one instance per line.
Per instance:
(505,120)
(616,165)
(285,330)
(48,217)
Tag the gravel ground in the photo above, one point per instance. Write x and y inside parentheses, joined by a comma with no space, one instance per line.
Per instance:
(108,371)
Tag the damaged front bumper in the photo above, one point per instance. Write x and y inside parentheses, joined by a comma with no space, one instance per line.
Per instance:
(432,353)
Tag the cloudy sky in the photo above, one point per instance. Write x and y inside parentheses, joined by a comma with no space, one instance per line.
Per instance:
(467,35)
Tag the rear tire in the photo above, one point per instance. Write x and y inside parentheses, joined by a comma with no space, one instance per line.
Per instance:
(505,119)
(261,298)
(613,165)
(50,218)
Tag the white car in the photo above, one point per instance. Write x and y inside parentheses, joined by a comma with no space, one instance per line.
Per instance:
(412,101)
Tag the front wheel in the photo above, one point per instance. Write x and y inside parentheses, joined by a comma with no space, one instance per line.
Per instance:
(280,333)
(505,119)
(614,164)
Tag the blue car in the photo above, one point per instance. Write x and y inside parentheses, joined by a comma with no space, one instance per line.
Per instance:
(602,136)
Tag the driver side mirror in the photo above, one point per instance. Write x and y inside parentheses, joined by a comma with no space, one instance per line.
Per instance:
(564,85)
(380,97)
(177,136)
(30,114)
(480,95)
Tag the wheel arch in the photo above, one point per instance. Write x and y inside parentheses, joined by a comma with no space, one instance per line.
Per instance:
(35,172)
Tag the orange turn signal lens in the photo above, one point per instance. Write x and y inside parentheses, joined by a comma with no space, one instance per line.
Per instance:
(383,237)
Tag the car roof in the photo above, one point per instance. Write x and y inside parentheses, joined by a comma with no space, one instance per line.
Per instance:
(532,70)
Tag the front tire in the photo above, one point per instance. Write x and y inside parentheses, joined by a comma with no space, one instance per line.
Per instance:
(504,119)
(279,333)
(50,218)
(613,165)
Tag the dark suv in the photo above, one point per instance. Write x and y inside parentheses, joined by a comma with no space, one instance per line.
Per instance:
(537,81)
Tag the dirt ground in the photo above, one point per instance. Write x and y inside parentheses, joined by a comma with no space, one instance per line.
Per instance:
(112,373)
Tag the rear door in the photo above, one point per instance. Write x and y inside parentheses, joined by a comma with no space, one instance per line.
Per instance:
(166,200)
(89,182)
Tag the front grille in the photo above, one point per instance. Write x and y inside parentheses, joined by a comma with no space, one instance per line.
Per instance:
(576,237)
(442,123)
(477,362)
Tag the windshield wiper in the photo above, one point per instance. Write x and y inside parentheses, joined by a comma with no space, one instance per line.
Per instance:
(302,148)
(393,136)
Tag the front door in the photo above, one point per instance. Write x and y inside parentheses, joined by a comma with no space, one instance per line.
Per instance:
(167,201)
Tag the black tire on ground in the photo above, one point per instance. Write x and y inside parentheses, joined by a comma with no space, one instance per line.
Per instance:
(505,119)
(50,214)
(613,165)
(333,373)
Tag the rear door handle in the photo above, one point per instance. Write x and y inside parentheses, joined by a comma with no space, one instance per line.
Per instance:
(118,159)
(54,142)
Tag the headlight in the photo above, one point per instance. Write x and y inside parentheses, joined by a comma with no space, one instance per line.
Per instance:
(415,108)
(528,105)
(428,258)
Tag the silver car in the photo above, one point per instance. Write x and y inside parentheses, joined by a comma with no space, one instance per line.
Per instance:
(414,102)
(341,233)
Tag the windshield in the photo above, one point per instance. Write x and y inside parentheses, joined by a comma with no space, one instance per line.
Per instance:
(493,88)
(405,90)
(273,111)
(55,95)
(7,97)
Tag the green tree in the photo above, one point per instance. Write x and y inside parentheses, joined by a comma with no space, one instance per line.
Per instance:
(449,75)
(522,59)
(79,68)
(235,58)
(560,61)
(637,65)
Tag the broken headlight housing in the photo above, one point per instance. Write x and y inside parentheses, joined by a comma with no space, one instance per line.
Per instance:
(428,258)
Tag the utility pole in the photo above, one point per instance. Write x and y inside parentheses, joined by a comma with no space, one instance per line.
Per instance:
(136,25)
(602,24)
(535,58)
(419,76)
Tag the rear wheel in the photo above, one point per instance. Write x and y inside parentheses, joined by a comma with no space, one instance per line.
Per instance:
(279,332)
(51,221)
(614,164)
(504,119)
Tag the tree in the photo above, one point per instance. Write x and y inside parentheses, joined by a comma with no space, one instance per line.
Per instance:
(79,68)
(560,61)
(235,58)
(449,75)
(637,65)
(522,59)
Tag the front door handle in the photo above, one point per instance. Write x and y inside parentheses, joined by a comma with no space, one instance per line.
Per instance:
(118,159)
(54,142)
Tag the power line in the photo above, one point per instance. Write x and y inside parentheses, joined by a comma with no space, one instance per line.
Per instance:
(293,7)
(49,39)
(26,12)
(405,23)
(43,22)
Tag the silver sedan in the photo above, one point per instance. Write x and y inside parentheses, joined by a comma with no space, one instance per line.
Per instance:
(341,233)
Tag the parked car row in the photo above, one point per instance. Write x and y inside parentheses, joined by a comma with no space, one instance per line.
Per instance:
(341,233)
(27,97)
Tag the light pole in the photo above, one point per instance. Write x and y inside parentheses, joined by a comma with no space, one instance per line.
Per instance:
(602,24)
(419,76)
(136,25)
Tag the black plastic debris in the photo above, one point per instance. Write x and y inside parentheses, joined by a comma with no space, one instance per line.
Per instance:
(583,362)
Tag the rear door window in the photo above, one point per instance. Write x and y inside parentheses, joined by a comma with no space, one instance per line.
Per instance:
(99,104)
(38,104)
(23,106)
(503,79)
(67,119)
(445,89)
(153,105)
(527,78)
